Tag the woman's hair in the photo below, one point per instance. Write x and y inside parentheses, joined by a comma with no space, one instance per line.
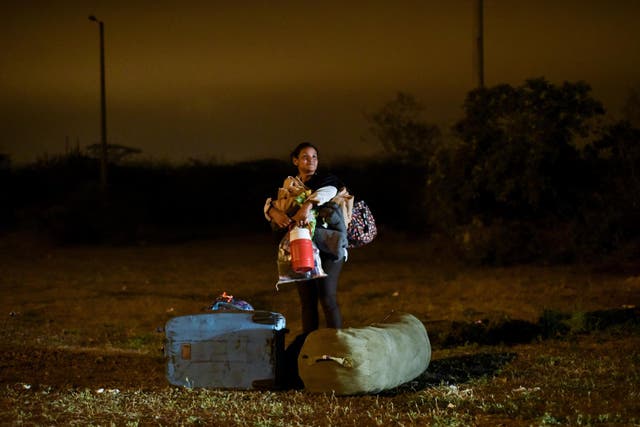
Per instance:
(296,151)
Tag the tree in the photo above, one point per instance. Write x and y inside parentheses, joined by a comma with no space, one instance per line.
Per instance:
(617,154)
(410,143)
(519,156)
(402,132)
(5,161)
(631,108)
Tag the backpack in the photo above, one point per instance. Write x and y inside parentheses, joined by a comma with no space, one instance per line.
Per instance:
(362,228)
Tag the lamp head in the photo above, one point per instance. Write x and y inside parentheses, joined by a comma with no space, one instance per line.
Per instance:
(93,18)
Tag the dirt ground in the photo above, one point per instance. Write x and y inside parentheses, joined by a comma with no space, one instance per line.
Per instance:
(92,317)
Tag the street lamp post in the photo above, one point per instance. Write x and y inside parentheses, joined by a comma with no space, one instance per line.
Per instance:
(478,48)
(103,110)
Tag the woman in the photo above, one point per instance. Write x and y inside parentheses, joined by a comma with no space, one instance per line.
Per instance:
(324,188)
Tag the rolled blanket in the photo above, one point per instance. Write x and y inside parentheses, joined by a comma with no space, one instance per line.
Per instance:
(365,360)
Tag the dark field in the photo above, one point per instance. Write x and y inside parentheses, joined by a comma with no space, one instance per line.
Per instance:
(528,345)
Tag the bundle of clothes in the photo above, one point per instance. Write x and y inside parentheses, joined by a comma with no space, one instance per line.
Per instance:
(328,227)
(226,302)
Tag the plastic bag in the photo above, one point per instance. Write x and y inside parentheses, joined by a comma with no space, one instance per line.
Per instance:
(285,270)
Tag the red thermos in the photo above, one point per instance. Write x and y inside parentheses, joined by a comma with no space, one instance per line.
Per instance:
(301,250)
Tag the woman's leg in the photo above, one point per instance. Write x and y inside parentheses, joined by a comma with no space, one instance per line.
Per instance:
(327,292)
(308,292)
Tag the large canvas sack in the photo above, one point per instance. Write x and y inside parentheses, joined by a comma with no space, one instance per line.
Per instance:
(365,360)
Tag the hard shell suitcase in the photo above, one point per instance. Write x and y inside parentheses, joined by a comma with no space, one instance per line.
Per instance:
(226,349)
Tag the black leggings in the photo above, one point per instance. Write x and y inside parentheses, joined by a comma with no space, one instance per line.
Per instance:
(323,290)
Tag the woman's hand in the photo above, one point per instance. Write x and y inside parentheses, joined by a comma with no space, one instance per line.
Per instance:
(301,217)
(279,218)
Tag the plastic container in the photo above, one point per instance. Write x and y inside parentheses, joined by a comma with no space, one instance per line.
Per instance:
(301,250)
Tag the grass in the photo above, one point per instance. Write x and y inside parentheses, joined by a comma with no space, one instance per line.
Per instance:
(586,382)
(527,345)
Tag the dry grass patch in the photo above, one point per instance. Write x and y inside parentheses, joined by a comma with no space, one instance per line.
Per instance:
(81,335)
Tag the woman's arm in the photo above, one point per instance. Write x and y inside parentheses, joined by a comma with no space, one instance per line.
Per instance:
(323,194)
(275,215)
(320,196)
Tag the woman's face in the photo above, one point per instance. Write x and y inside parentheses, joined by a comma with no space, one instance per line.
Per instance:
(307,161)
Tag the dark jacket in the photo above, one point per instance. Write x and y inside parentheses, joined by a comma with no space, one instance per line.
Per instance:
(331,232)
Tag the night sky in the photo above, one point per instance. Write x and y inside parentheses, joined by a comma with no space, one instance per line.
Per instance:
(247,80)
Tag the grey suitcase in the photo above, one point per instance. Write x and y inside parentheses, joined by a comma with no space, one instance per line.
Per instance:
(226,349)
